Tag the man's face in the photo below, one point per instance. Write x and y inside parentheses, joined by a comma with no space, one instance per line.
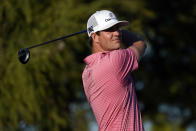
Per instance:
(110,39)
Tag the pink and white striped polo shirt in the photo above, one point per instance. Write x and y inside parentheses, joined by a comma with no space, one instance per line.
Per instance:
(110,90)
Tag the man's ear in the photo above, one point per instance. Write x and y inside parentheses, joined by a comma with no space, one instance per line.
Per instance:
(95,37)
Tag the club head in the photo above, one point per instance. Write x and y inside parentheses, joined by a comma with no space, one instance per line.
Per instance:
(23,55)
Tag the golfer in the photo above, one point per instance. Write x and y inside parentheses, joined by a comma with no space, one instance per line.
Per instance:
(107,79)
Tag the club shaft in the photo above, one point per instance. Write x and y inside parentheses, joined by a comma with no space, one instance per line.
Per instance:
(60,38)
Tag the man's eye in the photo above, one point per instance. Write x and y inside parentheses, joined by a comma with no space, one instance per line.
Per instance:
(111,30)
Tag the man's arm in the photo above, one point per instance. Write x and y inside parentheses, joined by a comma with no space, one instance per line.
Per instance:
(135,42)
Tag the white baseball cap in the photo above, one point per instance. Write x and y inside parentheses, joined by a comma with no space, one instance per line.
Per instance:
(102,20)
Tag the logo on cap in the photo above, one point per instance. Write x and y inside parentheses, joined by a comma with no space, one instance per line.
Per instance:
(111,16)
(90,29)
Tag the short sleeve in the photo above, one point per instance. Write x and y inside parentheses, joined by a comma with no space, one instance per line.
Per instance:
(124,61)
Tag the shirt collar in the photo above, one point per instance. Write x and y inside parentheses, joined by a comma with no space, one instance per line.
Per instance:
(93,57)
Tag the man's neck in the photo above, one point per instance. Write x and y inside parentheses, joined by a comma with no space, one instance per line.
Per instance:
(96,48)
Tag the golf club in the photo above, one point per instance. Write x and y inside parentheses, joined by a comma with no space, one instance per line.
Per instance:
(24,54)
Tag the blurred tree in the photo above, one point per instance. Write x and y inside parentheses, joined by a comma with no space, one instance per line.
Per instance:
(42,93)
(170,71)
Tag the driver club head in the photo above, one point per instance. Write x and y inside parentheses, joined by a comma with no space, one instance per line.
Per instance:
(23,55)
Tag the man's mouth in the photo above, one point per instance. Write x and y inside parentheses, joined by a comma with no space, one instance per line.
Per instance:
(116,40)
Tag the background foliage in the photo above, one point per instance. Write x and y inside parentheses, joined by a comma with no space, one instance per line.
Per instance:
(47,92)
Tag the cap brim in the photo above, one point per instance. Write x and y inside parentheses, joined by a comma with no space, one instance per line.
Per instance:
(121,23)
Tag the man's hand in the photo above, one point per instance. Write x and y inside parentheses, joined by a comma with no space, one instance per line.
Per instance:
(134,42)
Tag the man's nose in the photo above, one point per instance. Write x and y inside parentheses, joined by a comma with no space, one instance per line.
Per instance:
(118,32)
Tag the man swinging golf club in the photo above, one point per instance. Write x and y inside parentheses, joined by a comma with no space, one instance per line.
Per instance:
(107,77)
